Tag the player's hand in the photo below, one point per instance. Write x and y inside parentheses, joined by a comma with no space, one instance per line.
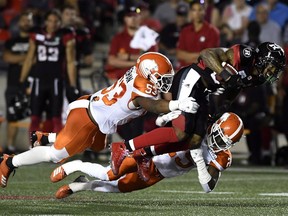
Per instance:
(162,120)
(234,81)
(219,91)
(188,105)
(197,155)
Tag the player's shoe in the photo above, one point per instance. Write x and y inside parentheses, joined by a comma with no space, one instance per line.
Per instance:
(5,171)
(143,164)
(118,154)
(66,191)
(36,138)
(58,174)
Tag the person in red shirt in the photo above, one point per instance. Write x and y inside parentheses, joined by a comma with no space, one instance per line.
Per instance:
(121,56)
(197,36)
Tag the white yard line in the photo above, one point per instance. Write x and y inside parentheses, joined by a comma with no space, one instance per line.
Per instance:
(274,194)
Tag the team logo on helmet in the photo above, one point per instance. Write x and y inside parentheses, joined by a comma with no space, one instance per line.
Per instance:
(247,52)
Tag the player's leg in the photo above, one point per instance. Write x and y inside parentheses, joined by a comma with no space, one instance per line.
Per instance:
(56,100)
(95,185)
(76,137)
(37,103)
(92,169)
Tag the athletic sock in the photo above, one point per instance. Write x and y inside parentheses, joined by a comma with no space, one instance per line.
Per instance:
(154,137)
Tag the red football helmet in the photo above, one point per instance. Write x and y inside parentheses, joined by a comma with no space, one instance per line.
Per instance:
(157,68)
(225,132)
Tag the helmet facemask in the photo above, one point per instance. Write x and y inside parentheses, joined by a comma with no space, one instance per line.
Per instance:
(217,141)
(225,132)
(270,61)
(162,82)
(268,64)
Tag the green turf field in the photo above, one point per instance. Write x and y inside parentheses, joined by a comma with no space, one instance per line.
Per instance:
(241,191)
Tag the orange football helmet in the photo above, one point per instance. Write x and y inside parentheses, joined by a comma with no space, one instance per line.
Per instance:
(225,132)
(157,68)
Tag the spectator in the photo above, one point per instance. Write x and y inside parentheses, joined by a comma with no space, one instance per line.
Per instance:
(226,36)
(253,33)
(278,12)
(170,34)
(15,54)
(147,19)
(236,15)
(84,46)
(166,11)
(212,13)
(196,36)
(122,56)
(267,26)
(52,46)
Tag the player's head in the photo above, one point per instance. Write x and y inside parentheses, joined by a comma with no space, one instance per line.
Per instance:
(52,20)
(25,22)
(270,61)
(157,68)
(225,132)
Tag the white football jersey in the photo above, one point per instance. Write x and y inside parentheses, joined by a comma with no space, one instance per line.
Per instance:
(113,105)
(178,163)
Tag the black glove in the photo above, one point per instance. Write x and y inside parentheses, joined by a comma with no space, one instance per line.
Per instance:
(234,81)
(72,94)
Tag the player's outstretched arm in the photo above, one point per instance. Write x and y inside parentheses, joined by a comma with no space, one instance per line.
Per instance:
(163,106)
(207,177)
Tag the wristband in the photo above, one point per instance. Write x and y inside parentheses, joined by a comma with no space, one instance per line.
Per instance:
(225,75)
(173,105)
(203,174)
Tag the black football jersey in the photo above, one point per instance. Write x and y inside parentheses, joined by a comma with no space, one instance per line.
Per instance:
(50,52)
(17,45)
(243,60)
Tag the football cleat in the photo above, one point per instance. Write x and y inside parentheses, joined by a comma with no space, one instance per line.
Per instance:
(5,171)
(36,138)
(63,192)
(118,154)
(66,191)
(143,165)
(58,174)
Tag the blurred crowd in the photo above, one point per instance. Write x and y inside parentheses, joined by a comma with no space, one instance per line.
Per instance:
(177,28)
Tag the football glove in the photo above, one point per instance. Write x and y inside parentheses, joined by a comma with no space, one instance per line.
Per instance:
(188,105)
(162,120)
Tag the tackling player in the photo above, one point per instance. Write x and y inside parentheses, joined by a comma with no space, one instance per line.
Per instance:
(214,152)
(234,69)
(91,117)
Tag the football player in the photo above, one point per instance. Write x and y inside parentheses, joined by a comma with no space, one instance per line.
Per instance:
(218,69)
(213,153)
(91,117)
(14,55)
(53,48)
